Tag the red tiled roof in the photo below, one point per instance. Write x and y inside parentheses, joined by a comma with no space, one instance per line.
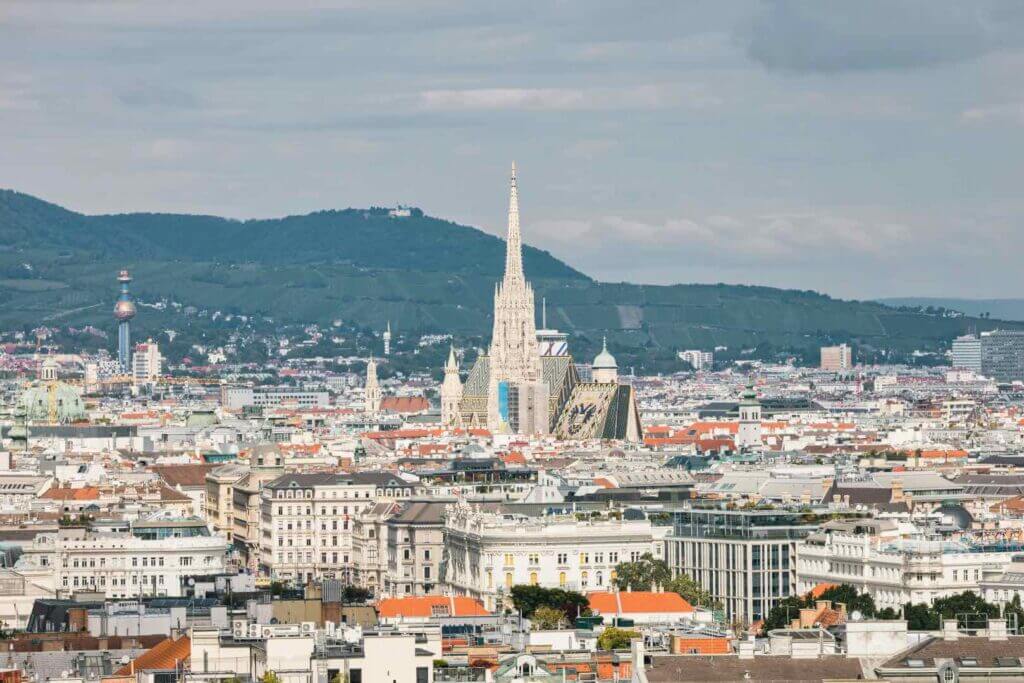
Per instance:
(633,602)
(404,404)
(186,476)
(164,657)
(424,606)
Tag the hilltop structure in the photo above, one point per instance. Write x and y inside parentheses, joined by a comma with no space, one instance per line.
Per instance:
(524,386)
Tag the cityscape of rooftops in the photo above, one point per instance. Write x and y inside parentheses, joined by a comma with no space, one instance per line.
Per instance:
(452,342)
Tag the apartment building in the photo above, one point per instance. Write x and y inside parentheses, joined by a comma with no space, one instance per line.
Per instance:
(836,358)
(487,554)
(150,557)
(306,521)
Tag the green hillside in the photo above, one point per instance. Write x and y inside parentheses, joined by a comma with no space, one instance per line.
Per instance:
(423,274)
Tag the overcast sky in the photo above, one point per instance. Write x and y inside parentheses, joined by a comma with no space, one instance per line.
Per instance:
(861,149)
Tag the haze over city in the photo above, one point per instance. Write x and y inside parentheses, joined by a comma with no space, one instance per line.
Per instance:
(860,149)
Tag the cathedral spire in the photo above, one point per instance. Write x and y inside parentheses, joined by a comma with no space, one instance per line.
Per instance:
(514,243)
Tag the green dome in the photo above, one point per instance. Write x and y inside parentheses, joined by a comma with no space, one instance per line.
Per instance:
(35,400)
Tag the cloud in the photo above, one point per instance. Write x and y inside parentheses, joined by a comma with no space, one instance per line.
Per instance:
(1012,112)
(790,237)
(652,96)
(793,35)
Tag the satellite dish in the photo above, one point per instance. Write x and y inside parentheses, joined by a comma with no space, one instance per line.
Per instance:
(856,615)
(191,581)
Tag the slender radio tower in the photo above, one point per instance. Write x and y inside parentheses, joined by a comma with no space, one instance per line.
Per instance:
(124,311)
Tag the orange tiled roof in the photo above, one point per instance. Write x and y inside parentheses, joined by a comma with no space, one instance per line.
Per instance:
(513,458)
(423,606)
(820,589)
(84,493)
(164,657)
(637,602)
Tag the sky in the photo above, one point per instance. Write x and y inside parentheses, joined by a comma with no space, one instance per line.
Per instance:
(862,149)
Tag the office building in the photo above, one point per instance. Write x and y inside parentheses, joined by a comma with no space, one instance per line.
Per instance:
(966,354)
(147,363)
(746,559)
(237,398)
(1002,355)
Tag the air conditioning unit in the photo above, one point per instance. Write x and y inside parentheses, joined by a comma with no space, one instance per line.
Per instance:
(267,632)
(240,632)
(254,630)
(307,627)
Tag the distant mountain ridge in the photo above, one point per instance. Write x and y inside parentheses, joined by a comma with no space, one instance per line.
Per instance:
(423,274)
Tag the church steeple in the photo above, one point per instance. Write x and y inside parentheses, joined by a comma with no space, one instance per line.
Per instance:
(514,243)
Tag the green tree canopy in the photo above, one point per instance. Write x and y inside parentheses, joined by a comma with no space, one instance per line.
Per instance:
(642,574)
(527,599)
(545,618)
(613,638)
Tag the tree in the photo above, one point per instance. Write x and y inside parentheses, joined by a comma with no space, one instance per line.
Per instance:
(545,618)
(854,601)
(642,574)
(784,612)
(270,677)
(921,617)
(964,608)
(528,598)
(613,638)
(888,614)
(691,591)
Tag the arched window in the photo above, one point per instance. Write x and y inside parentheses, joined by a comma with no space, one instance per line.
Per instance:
(533,578)
(508,579)
(561,579)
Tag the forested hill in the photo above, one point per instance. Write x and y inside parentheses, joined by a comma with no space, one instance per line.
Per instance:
(423,274)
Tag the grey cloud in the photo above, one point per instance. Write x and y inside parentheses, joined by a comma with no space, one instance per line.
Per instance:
(800,35)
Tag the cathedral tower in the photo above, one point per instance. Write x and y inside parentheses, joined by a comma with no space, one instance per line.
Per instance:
(451,392)
(371,392)
(514,355)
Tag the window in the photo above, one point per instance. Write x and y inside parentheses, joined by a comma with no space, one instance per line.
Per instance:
(598,558)
(508,579)
(534,559)
(584,579)
(563,558)
(561,579)
(509,560)
(533,578)
(613,557)
(426,554)
(584,558)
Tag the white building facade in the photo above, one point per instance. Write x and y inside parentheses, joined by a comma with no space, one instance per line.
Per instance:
(893,570)
(487,554)
(146,559)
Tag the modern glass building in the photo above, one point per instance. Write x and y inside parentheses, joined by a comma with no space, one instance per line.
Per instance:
(746,558)
(1002,355)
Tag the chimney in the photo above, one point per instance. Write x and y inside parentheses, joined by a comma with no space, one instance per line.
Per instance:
(897,491)
(997,629)
(949,629)
(846,500)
